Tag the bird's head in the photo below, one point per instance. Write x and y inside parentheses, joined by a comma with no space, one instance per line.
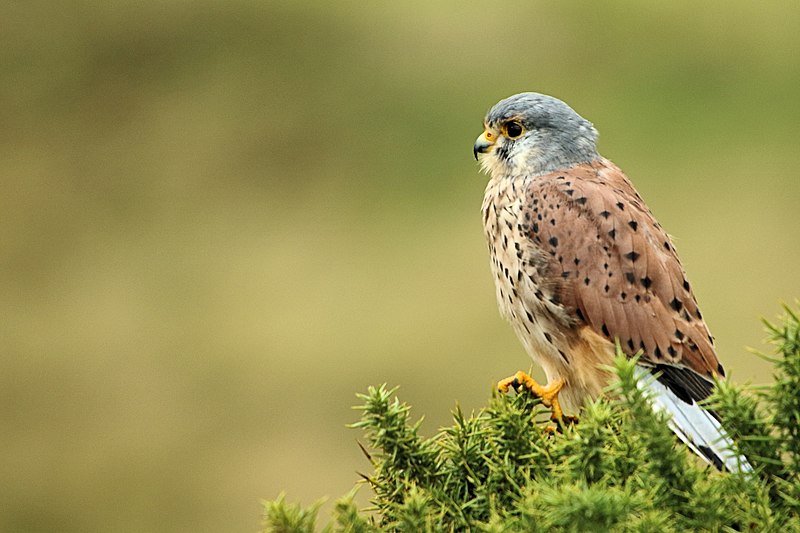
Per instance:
(533,134)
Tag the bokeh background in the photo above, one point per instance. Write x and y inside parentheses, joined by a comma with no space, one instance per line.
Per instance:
(221,220)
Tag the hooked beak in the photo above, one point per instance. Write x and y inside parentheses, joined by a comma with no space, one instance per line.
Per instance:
(483,144)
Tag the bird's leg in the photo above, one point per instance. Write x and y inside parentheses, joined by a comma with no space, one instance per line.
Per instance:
(547,393)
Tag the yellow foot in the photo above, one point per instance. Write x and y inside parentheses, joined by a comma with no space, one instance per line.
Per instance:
(547,393)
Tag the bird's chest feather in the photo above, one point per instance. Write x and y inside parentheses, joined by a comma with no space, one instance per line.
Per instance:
(504,229)
(526,291)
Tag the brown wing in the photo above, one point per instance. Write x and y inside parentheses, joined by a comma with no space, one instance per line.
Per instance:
(617,269)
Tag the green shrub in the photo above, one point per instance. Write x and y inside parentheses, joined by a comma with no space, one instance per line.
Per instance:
(619,469)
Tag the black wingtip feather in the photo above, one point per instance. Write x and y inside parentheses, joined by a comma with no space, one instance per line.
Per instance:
(686,384)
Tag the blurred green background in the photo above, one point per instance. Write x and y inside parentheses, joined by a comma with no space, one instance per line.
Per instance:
(221,220)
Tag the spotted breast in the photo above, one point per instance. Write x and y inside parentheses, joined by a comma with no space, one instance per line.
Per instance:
(529,294)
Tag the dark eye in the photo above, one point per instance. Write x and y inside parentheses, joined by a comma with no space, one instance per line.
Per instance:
(513,129)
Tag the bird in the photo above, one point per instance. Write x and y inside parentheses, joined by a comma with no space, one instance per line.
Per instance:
(581,265)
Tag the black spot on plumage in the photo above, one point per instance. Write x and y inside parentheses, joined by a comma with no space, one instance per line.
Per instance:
(620,205)
(582,200)
(606,288)
(630,277)
(686,284)
(657,353)
(634,225)
(612,233)
(638,298)
(666,245)
(630,344)
(646,282)
(553,241)
(605,214)
(623,295)
(536,227)
(671,351)
(553,221)
(721,370)
(577,261)
(676,304)
(565,274)
(586,281)
(579,313)
(548,337)
(699,314)
(569,191)
(632,255)
(679,334)
(605,330)
(530,316)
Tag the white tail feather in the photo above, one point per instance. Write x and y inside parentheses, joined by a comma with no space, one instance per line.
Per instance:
(691,423)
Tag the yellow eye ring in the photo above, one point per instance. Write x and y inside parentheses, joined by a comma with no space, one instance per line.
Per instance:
(489,135)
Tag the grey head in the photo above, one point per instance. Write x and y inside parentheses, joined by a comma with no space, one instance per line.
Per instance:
(534,134)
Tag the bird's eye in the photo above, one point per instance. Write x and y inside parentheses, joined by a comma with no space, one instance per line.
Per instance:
(513,129)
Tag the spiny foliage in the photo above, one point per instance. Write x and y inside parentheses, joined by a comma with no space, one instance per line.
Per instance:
(619,469)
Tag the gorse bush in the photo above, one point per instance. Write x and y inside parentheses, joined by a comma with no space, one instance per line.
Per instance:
(619,469)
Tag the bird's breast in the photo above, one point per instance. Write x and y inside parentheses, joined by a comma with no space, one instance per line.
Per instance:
(527,294)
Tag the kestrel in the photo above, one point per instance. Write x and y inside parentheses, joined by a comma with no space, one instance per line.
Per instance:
(579,263)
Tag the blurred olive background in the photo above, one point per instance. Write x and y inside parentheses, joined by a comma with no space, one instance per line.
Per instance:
(221,220)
